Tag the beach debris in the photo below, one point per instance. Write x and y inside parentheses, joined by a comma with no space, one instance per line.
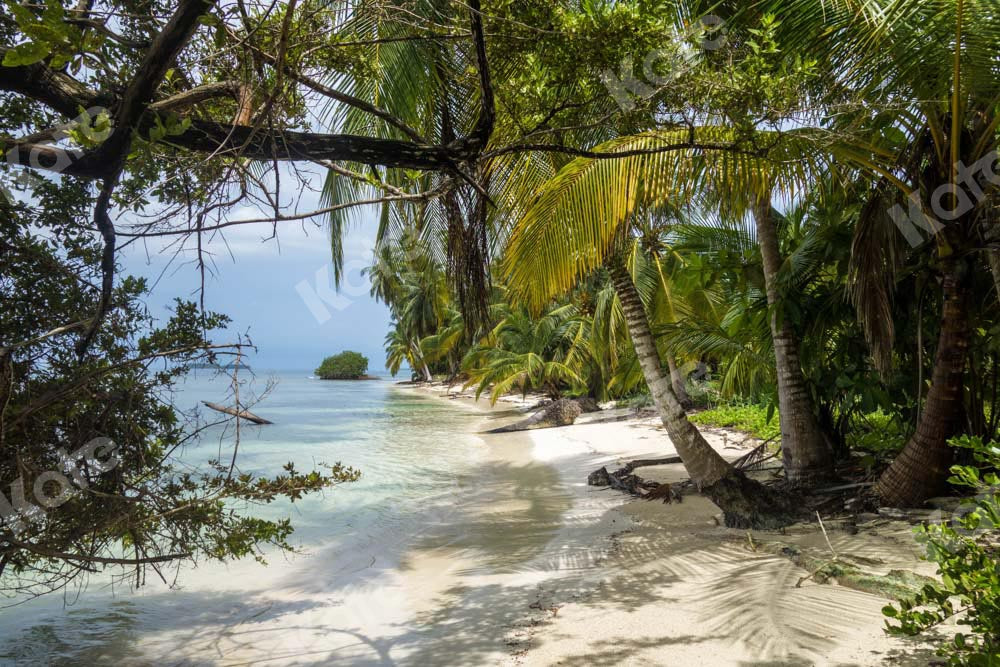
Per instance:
(242,414)
(844,569)
(599,477)
(562,412)
(664,492)
(625,480)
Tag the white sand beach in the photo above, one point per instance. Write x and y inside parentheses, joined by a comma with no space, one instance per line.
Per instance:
(524,565)
(629,582)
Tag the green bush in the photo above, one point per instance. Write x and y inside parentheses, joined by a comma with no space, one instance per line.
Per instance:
(877,433)
(965,550)
(344,366)
(757,420)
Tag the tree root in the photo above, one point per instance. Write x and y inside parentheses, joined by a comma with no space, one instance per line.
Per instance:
(746,503)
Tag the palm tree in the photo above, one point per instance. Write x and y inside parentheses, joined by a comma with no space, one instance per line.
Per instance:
(597,199)
(807,455)
(546,353)
(926,99)
(413,288)
(583,218)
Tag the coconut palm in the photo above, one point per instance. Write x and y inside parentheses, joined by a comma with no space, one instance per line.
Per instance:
(927,91)
(600,201)
(546,353)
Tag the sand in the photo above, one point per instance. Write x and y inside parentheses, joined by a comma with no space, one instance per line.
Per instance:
(627,582)
(534,567)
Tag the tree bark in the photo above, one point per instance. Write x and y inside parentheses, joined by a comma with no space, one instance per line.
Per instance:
(744,503)
(805,452)
(921,469)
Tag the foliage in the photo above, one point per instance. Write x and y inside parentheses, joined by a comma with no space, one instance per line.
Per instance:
(346,365)
(965,550)
(137,505)
(526,353)
(756,420)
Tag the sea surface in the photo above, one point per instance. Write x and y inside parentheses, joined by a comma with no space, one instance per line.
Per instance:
(417,455)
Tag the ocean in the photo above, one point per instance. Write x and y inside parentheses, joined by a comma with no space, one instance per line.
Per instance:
(349,588)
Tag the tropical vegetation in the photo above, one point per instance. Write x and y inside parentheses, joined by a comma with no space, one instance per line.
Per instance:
(793,205)
(347,365)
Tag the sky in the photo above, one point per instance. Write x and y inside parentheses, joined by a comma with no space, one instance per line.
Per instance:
(279,291)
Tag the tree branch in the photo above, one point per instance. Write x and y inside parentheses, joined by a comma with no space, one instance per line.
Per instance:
(62,555)
(198,94)
(157,60)
(107,228)
(487,113)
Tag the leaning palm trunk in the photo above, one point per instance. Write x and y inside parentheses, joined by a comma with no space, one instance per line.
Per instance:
(744,502)
(418,357)
(922,467)
(805,452)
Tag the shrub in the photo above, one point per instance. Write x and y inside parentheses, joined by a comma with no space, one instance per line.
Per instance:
(757,420)
(965,550)
(347,365)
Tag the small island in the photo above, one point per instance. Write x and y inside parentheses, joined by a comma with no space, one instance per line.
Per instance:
(347,365)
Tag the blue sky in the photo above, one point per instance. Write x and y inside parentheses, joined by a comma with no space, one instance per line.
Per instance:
(273,289)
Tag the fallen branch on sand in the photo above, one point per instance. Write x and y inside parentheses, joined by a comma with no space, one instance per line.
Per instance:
(242,414)
(557,413)
(625,480)
(845,570)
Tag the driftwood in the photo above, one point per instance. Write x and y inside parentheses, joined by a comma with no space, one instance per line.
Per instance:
(626,481)
(845,570)
(242,414)
(557,413)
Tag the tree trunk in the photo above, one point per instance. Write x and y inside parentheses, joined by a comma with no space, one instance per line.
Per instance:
(921,469)
(418,357)
(677,383)
(805,452)
(744,503)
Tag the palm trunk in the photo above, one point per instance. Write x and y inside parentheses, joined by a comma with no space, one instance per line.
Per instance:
(745,503)
(417,356)
(805,452)
(920,470)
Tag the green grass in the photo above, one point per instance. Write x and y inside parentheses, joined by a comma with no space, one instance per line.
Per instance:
(748,418)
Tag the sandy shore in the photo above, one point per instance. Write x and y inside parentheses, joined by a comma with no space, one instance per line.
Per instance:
(526,565)
(624,582)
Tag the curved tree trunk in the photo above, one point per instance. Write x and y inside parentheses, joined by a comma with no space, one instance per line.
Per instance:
(921,469)
(805,452)
(420,358)
(744,502)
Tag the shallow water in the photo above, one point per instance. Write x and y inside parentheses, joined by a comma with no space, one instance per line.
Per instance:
(428,498)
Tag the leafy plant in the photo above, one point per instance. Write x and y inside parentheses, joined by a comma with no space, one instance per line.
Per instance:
(347,365)
(757,420)
(965,550)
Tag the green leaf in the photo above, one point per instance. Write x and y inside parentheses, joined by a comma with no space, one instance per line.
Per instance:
(28,53)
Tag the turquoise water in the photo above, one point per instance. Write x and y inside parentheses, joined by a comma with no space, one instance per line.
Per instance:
(413,451)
